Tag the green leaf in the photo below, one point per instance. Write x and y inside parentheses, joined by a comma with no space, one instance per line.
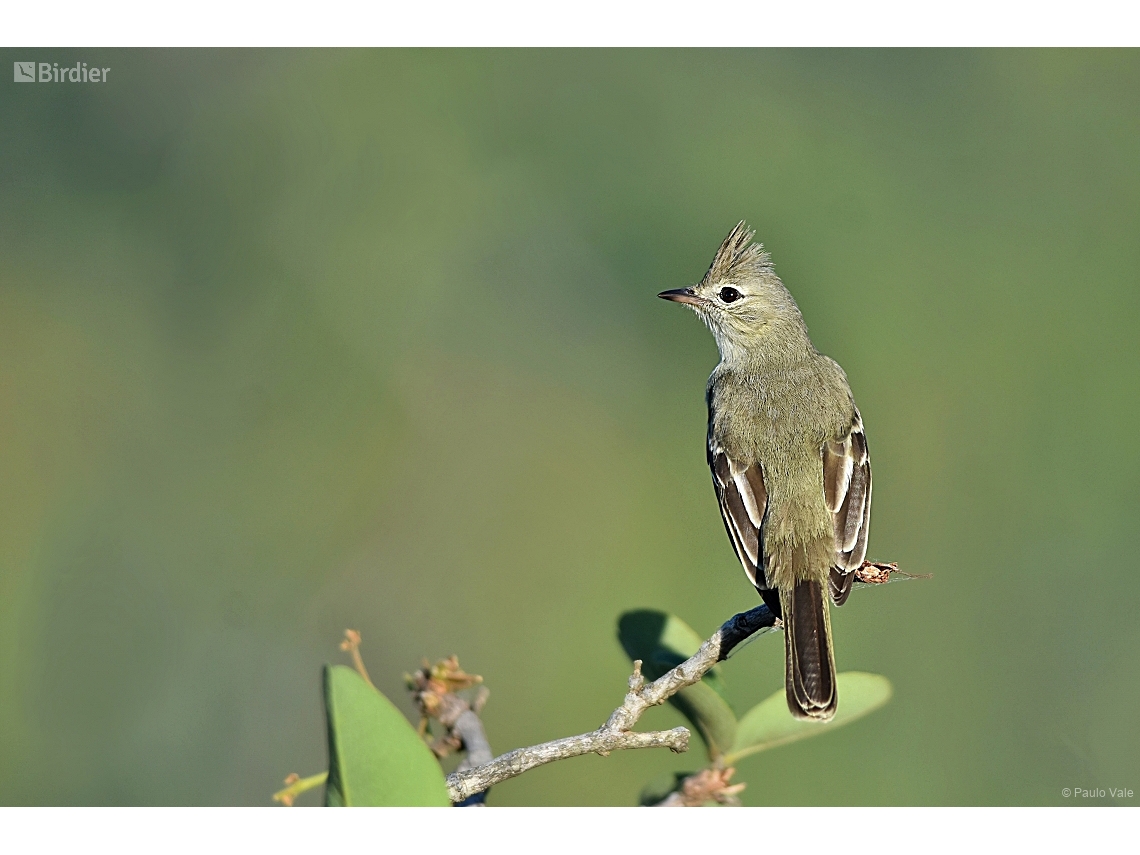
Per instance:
(375,757)
(661,641)
(769,724)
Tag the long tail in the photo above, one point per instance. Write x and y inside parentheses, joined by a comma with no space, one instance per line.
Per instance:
(810,666)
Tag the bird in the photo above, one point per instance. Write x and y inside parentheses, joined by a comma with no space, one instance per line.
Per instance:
(789,460)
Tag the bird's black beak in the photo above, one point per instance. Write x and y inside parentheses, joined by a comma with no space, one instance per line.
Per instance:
(682,295)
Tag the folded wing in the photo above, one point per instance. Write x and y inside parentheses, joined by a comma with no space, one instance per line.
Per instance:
(847,490)
(743,501)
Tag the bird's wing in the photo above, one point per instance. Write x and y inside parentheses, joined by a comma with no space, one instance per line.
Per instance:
(743,501)
(847,490)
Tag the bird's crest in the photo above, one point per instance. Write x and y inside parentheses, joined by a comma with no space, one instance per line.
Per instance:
(737,254)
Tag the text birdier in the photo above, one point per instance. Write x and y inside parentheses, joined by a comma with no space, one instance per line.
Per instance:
(52,72)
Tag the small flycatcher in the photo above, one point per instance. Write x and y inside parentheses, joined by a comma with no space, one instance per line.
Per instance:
(788,457)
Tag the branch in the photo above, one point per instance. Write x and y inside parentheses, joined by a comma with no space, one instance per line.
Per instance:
(469,728)
(617,733)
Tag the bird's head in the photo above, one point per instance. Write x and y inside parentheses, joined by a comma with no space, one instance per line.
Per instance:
(740,298)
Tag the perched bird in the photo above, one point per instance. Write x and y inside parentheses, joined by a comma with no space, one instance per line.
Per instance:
(788,457)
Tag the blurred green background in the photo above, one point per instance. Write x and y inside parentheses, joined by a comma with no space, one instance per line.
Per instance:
(294,341)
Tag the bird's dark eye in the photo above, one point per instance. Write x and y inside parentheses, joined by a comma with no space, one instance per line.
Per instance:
(729,294)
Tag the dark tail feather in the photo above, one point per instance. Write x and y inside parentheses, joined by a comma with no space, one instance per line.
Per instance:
(840,585)
(810,667)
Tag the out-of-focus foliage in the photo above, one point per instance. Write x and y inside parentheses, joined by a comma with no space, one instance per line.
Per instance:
(298,340)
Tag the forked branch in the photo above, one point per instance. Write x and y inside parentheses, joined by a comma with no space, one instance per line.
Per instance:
(617,733)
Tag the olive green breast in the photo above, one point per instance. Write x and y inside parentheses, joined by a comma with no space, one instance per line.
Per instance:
(779,417)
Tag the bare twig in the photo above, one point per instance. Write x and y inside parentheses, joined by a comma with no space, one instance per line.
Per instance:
(617,733)
(461,785)
(469,728)
(351,646)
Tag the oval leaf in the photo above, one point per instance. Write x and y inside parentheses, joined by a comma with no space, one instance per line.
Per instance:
(375,757)
(769,724)
(662,641)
